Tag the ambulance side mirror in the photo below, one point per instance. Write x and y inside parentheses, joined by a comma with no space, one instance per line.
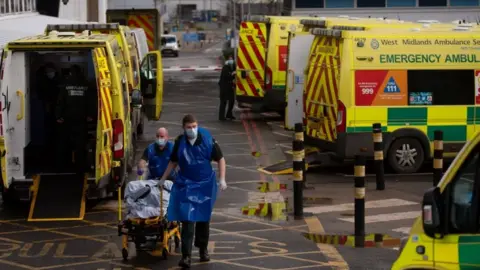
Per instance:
(432,213)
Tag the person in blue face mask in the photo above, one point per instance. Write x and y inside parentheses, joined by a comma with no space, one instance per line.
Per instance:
(194,191)
(157,154)
(227,90)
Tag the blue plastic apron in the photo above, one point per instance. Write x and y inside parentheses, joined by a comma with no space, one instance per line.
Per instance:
(195,188)
(157,164)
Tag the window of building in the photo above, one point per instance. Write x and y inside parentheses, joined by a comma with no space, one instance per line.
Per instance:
(309,4)
(441,87)
(401,3)
(432,3)
(463,3)
(339,4)
(370,3)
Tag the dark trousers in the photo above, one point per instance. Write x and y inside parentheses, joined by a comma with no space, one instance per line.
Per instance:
(71,138)
(223,105)
(201,231)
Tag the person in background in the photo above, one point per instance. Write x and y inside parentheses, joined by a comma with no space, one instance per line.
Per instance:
(227,90)
(48,88)
(157,155)
(72,114)
(194,191)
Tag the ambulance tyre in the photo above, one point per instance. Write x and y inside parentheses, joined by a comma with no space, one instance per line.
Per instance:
(7,196)
(406,155)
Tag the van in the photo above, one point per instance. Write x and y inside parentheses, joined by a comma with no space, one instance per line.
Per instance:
(446,234)
(400,78)
(170,45)
(298,56)
(29,172)
(152,105)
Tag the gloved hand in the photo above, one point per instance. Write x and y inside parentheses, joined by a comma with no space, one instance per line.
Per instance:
(222,184)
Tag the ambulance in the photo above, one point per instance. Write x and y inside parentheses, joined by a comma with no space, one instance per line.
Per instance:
(446,235)
(299,41)
(128,42)
(262,61)
(412,81)
(28,162)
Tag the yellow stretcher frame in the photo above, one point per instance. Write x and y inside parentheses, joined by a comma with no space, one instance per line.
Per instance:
(167,234)
(35,188)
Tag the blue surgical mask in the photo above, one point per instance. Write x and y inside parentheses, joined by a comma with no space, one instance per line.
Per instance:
(191,132)
(229,62)
(161,142)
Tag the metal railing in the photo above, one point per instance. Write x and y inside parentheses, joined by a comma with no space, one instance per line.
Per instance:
(8,7)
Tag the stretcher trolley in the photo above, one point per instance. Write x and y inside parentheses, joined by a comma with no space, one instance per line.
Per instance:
(148,233)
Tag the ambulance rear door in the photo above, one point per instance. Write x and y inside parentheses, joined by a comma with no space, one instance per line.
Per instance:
(14,90)
(297,60)
(151,84)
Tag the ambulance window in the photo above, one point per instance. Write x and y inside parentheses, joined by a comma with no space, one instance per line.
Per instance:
(461,196)
(149,66)
(441,87)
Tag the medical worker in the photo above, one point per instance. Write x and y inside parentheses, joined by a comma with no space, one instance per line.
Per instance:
(157,154)
(195,188)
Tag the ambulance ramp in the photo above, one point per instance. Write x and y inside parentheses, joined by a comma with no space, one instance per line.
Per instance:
(58,197)
(312,159)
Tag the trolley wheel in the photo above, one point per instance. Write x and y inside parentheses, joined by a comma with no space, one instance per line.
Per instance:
(125,253)
(177,242)
(165,253)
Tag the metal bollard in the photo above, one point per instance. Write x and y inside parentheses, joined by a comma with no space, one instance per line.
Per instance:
(437,156)
(378,155)
(359,201)
(298,171)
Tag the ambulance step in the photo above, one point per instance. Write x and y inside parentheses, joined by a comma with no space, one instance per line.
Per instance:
(313,159)
(58,197)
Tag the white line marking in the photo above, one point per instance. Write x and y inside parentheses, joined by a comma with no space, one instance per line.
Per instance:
(387,217)
(350,206)
(281,134)
(404,230)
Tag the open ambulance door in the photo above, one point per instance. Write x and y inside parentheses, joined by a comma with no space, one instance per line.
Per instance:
(151,74)
(297,61)
(14,128)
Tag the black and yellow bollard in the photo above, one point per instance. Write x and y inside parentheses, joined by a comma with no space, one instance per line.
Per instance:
(378,239)
(298,171)
(359,201)
(378,155)
(437,156)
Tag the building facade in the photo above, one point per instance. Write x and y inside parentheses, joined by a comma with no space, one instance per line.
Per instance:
(442,10)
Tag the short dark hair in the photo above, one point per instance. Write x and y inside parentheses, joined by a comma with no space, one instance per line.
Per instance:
(188,119)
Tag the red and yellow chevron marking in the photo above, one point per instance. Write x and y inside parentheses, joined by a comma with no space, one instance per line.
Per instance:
(251,58)
(105,112)
(145,22)
(322,88)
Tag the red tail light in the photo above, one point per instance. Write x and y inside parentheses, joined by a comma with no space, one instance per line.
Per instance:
(341,117)
(118,148)
(268,79)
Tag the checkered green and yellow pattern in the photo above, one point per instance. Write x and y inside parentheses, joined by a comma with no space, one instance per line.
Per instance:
(456,122)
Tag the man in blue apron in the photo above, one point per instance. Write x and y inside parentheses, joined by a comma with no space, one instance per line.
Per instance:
(157,154)
(195,188)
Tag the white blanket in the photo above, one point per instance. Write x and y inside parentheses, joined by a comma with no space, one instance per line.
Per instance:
(142,198)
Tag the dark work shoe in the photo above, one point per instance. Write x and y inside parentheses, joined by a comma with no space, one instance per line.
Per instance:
(185,262)
(231,117)
(204,257)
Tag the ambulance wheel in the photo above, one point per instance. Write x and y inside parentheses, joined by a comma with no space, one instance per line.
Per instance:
(125,254)
(7,196)
(175,54)
(406,155)
(165,253)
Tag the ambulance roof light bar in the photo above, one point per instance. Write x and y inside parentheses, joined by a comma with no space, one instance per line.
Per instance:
(318,23)
(83,27)
(256,18)
(348,28)
(326,32)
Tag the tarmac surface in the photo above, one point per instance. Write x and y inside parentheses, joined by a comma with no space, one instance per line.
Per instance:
(240,239)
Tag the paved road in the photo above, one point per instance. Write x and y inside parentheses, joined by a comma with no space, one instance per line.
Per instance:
(239,240)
